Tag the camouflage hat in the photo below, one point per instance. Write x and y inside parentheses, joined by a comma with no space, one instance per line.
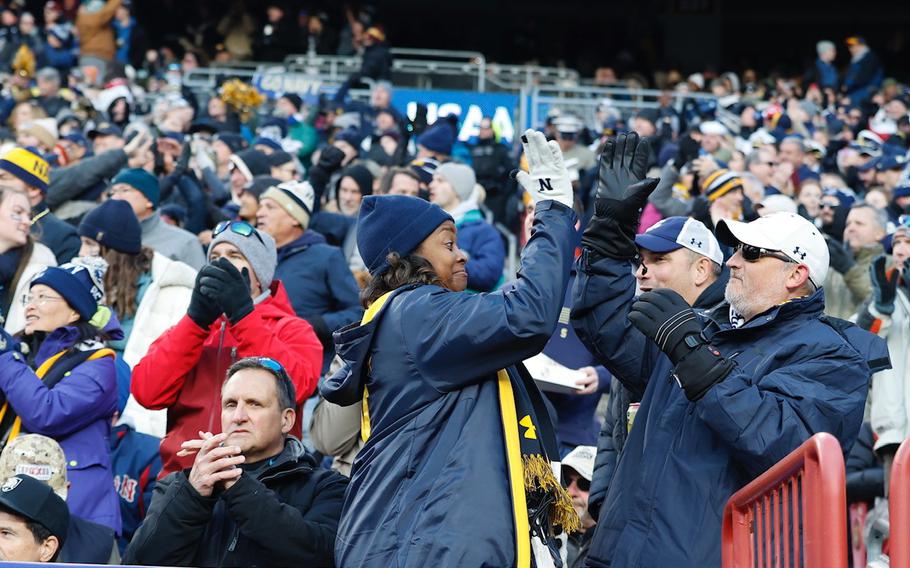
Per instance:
(36,456)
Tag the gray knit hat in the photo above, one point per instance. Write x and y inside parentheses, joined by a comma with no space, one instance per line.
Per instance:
(460,176)
(258,248)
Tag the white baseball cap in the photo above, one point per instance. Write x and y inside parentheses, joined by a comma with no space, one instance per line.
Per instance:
(775,204)
(787,233)
(713,127)
(581,459)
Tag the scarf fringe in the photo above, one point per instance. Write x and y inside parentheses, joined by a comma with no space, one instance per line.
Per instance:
(538,475)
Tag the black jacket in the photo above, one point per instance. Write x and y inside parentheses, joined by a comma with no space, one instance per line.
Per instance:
(865,474)
(57,235)
(286,517)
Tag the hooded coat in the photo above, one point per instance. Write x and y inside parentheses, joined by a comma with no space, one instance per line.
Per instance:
(431,485)
(796,373)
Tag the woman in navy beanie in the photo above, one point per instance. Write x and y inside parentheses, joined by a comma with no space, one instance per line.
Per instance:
(455,467)
(66,388)
(148,291)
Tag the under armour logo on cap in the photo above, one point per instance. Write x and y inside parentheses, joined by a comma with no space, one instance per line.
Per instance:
(801,254)
(10,484)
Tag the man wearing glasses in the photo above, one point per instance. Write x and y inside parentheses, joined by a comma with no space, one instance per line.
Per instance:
(253,496)
(237,309)
(726,393)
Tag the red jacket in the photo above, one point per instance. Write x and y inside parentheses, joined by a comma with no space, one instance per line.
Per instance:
(185,367)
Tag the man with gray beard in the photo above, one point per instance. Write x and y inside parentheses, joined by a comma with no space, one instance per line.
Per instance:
(726,393)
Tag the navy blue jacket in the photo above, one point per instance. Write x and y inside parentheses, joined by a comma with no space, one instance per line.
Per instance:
(321,288)
(796,374)
(430,486)
(486,253)
(57,235)
(136,463)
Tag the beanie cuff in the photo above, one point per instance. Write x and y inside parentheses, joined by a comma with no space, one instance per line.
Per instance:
(294,207)
(21,173)
(71,289)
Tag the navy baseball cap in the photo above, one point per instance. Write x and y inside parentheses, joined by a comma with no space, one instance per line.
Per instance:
(891,162)
(37,502)
(104,129)
(674,233)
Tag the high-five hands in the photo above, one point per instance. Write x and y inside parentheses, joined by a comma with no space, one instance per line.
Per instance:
(548,177)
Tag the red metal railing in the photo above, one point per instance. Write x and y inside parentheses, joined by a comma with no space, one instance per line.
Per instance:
(899,508)
(794,514)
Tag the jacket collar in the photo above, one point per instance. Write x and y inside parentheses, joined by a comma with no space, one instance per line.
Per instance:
(808,306)
(352,344)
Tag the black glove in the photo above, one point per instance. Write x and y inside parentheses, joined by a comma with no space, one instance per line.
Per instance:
(664,316)
(203,310)
(330,159)
(621,195)
(183,162)
(841,256)
(229,288)
(883,290)
(688,151)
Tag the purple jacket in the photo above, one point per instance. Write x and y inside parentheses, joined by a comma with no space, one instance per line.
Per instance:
(77,413)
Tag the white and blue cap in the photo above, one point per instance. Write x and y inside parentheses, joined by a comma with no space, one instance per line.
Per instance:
(674,233)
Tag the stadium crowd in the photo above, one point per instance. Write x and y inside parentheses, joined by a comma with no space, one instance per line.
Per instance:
(242,330)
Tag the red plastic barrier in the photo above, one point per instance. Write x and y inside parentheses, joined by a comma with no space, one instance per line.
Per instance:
(794,514)
(899,508)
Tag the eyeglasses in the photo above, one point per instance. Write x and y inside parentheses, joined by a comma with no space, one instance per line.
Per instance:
(241,228)
(753,254)
(40,300)
(827,206)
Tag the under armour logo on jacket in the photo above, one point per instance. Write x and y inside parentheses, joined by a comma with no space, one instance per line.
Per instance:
(545,185)
(802,255)
(531,432)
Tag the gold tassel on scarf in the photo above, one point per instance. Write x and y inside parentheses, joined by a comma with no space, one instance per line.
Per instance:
(539,477)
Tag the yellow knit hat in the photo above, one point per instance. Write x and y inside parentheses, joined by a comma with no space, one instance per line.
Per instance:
(27,166)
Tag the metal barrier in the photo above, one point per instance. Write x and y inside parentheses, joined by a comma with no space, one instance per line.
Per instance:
(585,102)
(899,508)
(794,514)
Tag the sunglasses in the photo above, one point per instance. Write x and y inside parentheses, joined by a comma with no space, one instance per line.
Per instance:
(827,206)
(753,254)
(271,365)
(241,228)
(580,482)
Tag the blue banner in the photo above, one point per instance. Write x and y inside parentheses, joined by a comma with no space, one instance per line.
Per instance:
(468,105)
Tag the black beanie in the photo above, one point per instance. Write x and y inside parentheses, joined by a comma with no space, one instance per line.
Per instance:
(252,163)
(361,175)
(114,225)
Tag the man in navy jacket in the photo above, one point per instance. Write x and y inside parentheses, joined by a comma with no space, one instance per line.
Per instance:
(725,394)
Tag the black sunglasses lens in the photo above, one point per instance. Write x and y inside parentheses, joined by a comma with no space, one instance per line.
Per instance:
(583,484)
(750,253)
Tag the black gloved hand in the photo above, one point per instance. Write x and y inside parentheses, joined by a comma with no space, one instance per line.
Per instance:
(841,257)
(203,310)
(688,151)
(229,288)
(621,195)
(664,316)
(883,290)
(330,159)
(183,162)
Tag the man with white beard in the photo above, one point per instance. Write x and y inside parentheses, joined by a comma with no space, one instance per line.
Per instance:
(726,393)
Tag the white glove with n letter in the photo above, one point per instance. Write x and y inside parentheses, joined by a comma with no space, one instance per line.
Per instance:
(548,177)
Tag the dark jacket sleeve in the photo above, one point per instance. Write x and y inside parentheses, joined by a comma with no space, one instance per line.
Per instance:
(610,442)
(289,536)
(865,474)
(603,295)
(763,418)
(174,525)
(67,183)
(459,339)
(487,257)
(344,292)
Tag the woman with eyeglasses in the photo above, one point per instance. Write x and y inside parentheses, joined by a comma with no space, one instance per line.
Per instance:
(66,388)
(148,291)
(237,309)
(455,469)
(21,258)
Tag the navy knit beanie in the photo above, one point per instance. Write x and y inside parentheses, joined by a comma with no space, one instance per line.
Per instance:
(394,223)
(440,137)
(114,225)
(141,180)
(80,287)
